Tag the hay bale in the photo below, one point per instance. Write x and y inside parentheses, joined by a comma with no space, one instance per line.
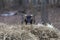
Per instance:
(28,32)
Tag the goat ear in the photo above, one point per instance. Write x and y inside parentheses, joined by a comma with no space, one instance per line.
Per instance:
(25,15)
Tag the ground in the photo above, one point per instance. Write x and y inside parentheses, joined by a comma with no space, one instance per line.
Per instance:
(54,18)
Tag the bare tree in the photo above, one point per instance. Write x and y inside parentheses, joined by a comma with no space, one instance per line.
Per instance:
(44,13)
(58,3)
(2,4)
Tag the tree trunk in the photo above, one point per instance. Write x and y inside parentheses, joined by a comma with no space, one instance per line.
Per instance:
(44,13)
(1,4)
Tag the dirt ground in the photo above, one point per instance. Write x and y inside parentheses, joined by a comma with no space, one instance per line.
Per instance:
(54,18)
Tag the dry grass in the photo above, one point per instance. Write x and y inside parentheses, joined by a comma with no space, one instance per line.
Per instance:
(28,32)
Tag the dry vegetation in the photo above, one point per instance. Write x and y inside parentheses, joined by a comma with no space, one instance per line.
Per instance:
(28,32)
